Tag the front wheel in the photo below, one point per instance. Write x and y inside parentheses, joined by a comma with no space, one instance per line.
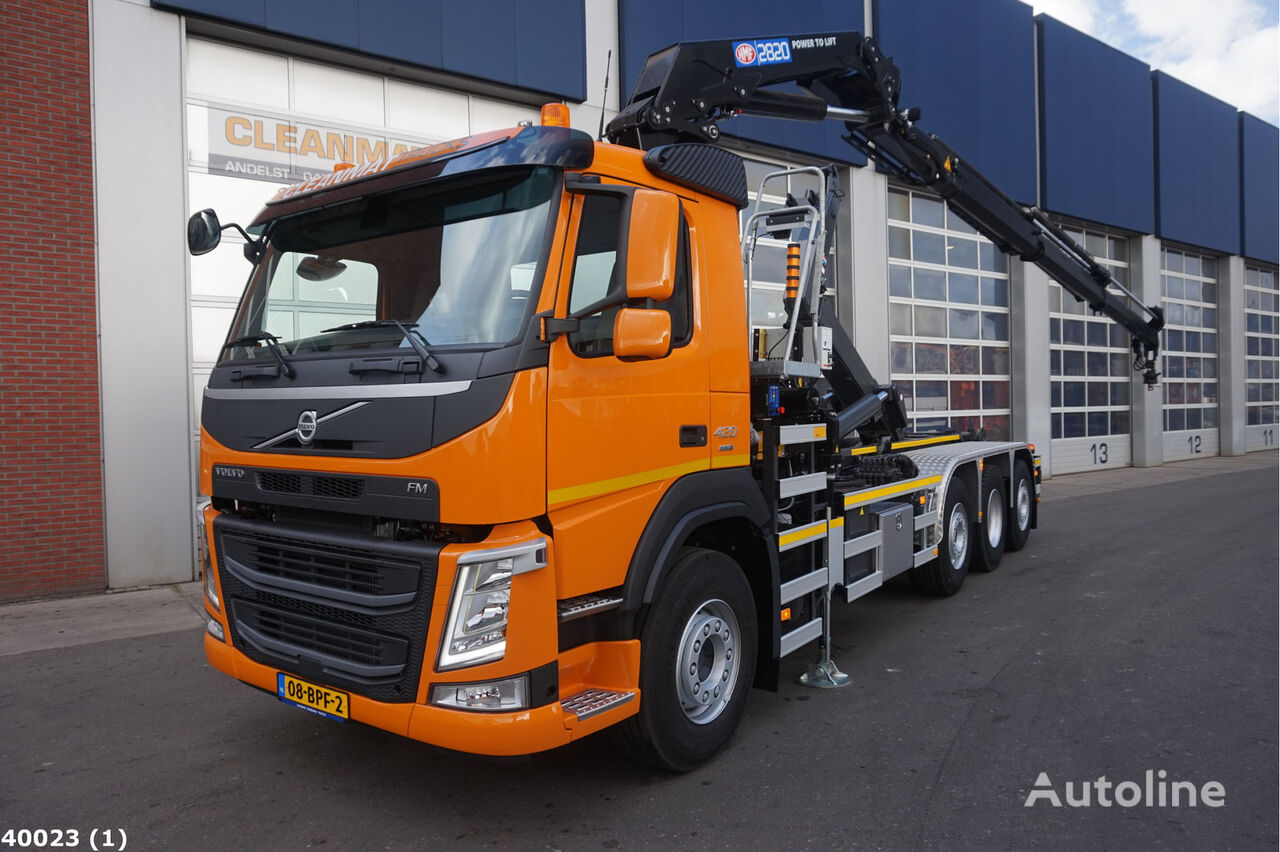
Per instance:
(1024,498)
(697,662)
(945,575)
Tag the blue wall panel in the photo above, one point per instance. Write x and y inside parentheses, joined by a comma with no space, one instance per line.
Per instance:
(647,26)
(331,22)
(1197,166)
(970,66)
(250,12)
(405,30)
(551,40)
(479,38)
(1259,187)
(536,46)
(1096,137)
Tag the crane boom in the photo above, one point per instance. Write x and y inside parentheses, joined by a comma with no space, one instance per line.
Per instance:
(684,91)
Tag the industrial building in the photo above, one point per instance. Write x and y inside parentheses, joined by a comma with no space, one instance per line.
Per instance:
(124,116)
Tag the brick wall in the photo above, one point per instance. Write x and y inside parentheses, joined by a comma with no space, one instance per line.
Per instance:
(51,527)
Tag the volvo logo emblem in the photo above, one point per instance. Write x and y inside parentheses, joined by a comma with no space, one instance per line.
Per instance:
(306,427)
(305,431)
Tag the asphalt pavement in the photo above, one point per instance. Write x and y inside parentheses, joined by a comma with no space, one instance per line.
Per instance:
(1136,633)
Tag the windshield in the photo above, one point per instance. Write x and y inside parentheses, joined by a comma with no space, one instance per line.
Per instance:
(456,261)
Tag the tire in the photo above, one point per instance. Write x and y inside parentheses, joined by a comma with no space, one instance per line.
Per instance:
(945,575)
(993,530)
(1023,489)
(697,662)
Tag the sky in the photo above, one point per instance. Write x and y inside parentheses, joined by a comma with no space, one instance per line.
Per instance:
(1228,48)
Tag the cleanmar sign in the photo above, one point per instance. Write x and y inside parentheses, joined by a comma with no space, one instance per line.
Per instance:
(282,151)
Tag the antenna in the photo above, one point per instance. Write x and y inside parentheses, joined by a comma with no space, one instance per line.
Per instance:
(605,96)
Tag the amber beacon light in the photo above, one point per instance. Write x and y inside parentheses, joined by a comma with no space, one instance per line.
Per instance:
(555,115)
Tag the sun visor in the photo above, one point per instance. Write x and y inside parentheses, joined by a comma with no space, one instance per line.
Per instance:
(549,146)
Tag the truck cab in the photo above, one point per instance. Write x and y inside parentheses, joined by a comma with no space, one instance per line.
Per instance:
(452,405)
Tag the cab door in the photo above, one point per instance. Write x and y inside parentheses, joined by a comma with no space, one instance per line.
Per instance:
(619,430)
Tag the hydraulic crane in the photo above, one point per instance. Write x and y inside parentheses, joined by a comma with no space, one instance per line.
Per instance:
(683,93)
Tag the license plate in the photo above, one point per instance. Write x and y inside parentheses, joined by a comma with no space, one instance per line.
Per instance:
(318,699)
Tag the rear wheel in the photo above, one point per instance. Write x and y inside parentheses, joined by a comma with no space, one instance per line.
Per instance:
(1024,498)
(990,539)
(945,575)
(697,661)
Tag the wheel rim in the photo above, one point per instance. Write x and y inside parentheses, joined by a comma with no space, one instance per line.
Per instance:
(995,518)
(1024,504)
(958,536)
(708,663)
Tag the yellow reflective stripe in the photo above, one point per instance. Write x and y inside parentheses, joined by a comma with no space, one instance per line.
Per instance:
(738,460)
(906,445)
(618,483)
(836,522)
(803,534)
(897,488)
(924,442)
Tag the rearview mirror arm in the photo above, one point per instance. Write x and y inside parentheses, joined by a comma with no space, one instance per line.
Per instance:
(252,247)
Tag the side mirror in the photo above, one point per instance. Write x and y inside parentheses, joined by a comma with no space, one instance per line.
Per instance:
(653,234)
(642,333)
(204,232)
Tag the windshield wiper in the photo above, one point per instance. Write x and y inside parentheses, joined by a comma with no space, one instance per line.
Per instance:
(272,344)
(409,330)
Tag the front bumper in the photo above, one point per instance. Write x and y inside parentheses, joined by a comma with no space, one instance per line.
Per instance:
(606,666)
(370,625)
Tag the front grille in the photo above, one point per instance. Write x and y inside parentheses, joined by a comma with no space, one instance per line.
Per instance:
(337,488)
(364,652)
(340,608)
(332,487)
(282,483)
(346,574)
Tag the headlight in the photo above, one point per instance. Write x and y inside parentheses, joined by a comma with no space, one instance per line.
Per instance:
(477,628)
(206,563)
(478,616)
(210,584)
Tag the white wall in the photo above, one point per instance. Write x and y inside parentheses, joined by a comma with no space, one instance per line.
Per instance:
(601,38)
(1231,357)
(136,66)
(1148,412)
(1029,336)
(868,216)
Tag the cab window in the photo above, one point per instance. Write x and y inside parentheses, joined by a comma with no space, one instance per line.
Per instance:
(597,274)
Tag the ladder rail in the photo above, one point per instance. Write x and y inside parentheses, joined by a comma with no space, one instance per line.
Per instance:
(810,275)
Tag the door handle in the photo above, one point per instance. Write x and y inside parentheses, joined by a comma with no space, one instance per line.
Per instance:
(693,436)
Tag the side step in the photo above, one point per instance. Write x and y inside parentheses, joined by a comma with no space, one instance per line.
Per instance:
(592,702)
(584,605)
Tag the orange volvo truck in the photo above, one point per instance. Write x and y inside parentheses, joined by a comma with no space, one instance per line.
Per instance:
(496,458)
